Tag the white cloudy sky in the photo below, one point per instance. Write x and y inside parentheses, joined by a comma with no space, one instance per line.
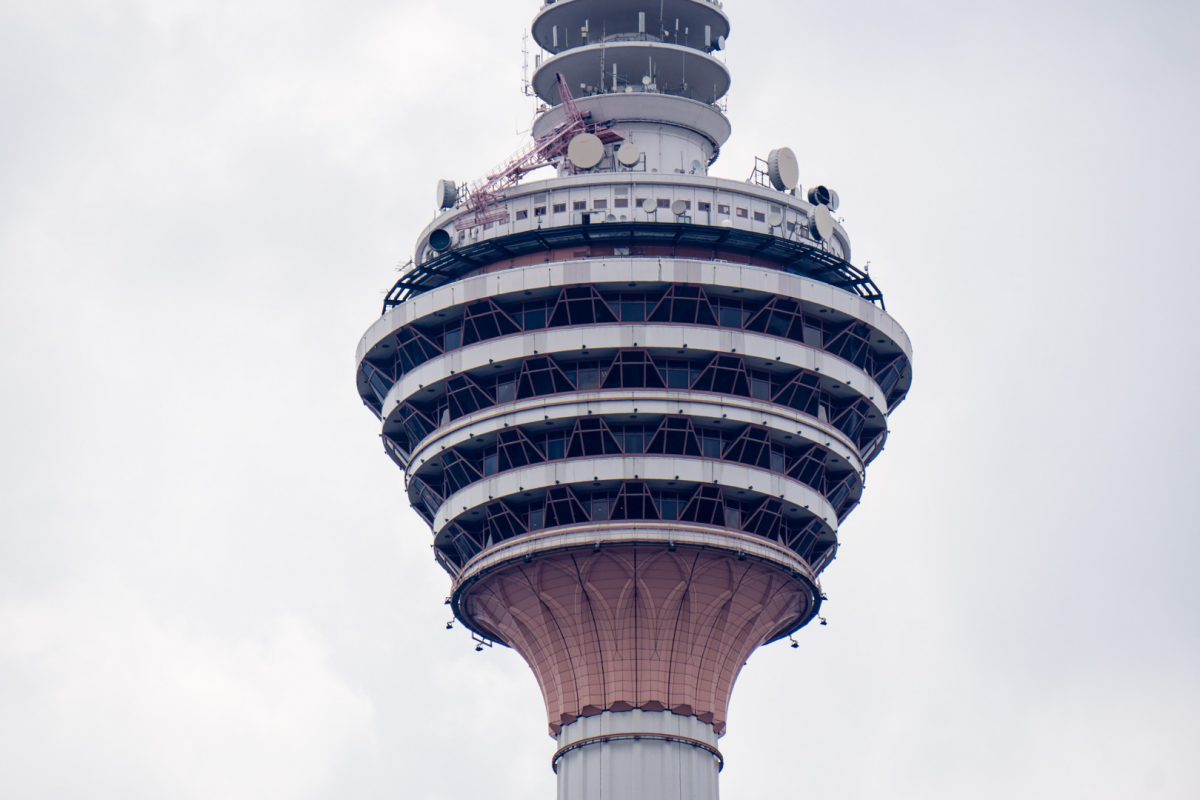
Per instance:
(211,587)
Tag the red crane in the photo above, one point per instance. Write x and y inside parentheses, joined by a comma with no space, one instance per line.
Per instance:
(481,198)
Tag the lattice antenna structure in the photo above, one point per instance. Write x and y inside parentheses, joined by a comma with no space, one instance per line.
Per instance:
(482,198)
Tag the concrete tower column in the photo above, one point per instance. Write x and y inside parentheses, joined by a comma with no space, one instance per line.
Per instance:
(637,755)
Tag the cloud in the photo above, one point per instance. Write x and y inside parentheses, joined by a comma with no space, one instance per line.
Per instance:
(106,697)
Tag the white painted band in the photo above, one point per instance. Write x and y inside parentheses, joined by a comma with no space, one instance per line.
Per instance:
(683,469)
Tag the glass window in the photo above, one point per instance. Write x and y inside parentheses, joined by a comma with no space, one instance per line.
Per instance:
(668,507)
(599,509)
(506,391)
(536,518)
(579,205)
(600,204)
(523,214)
(491,463)
(588,378)
(453,338)
(621,202)
(560,208)
(760,217)
(731,316)
(678,375)
(534,317)
(711,445)
(743,213)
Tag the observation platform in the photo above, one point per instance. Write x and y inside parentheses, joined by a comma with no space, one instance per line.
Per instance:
(625,65)
(607,17)
(728,243)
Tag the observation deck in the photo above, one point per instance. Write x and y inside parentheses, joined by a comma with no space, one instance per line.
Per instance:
(699,24)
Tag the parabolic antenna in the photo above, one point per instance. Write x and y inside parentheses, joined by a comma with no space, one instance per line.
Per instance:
(820,223)
(585,151)
(447,194)
(629,154)
(783,169)
(679,208)
(775,219)
(697,168)
(823,196)
(649,206)
(440,240)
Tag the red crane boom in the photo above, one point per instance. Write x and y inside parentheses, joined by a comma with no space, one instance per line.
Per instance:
(481,197)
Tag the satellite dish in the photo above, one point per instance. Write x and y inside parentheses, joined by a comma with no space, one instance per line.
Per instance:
(834,200)
(726,223)
(679,208)
(647,80)
(783,169)
(440,240)
(585,151)
(820,223)
(447,194)
(820,196)
(629,154)
(775,219)
(649,206)
(697,168)
(720,42)
(610,218)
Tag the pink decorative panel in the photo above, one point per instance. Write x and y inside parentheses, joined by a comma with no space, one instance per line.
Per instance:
(637,627)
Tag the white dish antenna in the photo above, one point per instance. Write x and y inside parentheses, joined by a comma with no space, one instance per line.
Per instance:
(783,169)
(679,208)
(447,194)
(585,151)
(820,223)
(649,205)
(697,168)
(775,219)
(629,154)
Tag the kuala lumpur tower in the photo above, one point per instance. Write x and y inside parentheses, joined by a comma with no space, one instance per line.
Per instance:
(634,401)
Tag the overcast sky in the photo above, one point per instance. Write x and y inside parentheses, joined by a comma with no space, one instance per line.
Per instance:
(211,586)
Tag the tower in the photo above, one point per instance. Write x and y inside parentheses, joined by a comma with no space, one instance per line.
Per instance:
(634,401)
